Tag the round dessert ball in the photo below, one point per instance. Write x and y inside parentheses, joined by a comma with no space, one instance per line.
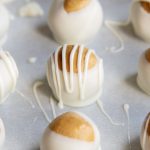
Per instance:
(140,17)
(72,131)
(75,21)
(4,21)
(8,75)
(145,133)
(2,133)
(143,78)
(75,75)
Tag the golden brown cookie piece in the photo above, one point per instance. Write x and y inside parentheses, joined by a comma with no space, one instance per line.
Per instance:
(74,126)
(147,55)
(145,122)
(146,6)
(92,59)
(75,5)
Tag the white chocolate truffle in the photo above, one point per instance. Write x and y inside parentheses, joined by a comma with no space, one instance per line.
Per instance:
(8,75)
(2,133)
(75,75)
(71,131)
(143,78)
(75,21)
(4,21)
(145,134)
(140,17)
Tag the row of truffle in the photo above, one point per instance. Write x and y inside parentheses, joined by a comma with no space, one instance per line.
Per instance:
(78,21)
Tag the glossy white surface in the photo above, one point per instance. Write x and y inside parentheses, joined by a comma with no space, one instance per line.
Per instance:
(141,21)
(75,89)
(75,27)
(50,140)
(31,38)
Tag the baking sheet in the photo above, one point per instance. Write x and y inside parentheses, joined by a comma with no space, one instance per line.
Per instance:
(30,37)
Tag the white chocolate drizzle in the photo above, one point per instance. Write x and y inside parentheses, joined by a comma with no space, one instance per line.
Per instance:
(53,107)
(25,98)
(100,105)
(69,82)
(35,87)
(51,101)
(10,72)
(109,24)
(126,109)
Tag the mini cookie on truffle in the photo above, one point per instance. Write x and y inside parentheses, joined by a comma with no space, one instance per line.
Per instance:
(75,75)
(145,134)
(140,17)
(4,22)
(75,21)
(71,130)
(8,75)
(143,78)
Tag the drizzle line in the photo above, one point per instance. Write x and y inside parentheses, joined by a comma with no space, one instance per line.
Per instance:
(24,97)
(53,107)
(100,104)
(35,86)
(109,25)
(126,109)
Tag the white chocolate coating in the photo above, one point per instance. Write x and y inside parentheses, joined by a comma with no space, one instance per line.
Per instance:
(4,21)
(145,140)
(76,27)
(54,141)
(8,75)
(143,78)
(75,89)
(2,132)
(140,20)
